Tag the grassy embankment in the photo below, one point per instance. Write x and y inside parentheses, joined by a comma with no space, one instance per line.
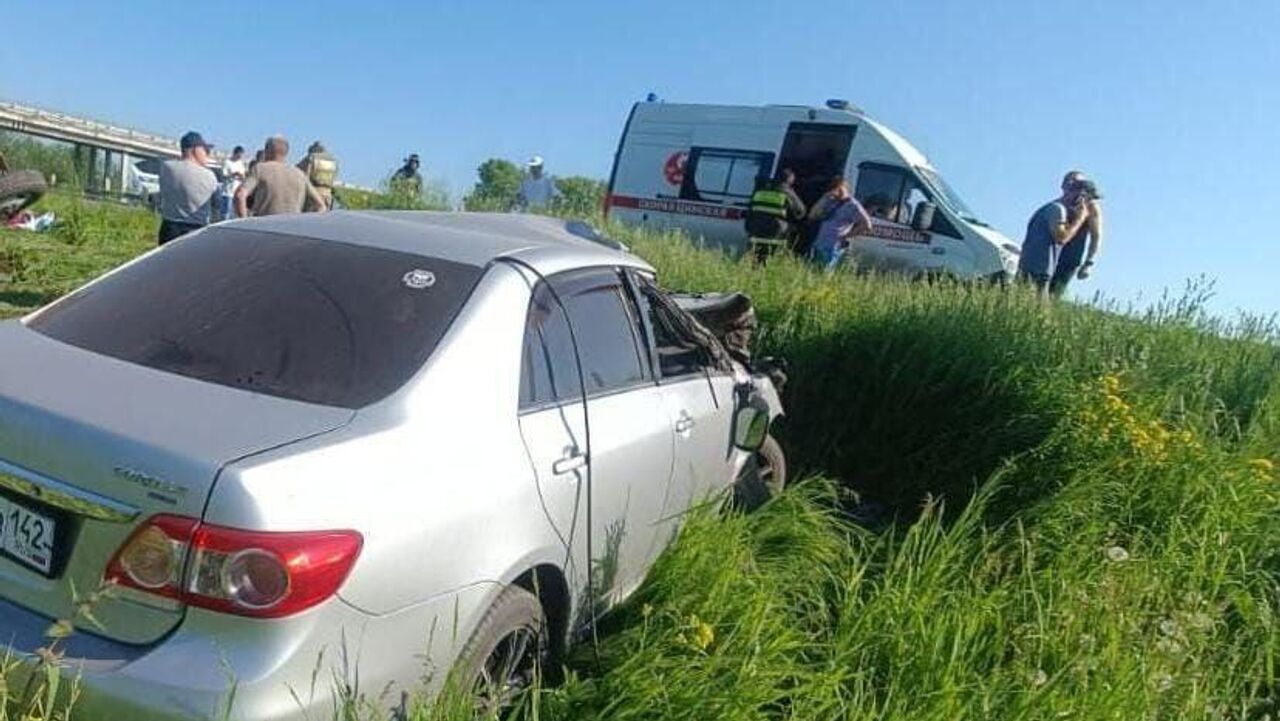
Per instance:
(1087,510)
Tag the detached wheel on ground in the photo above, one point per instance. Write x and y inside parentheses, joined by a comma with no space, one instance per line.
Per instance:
(18,189)
(507,651)
(762,477)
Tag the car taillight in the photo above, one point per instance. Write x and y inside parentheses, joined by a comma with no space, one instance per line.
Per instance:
(250,573)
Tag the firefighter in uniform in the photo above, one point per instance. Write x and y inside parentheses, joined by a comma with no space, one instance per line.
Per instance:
(322,170)
(774,216)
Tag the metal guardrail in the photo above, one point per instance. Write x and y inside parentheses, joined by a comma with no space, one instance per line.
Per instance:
(69,128)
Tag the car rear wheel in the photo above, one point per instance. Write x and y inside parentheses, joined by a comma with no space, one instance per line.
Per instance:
(762,477)
(507,652)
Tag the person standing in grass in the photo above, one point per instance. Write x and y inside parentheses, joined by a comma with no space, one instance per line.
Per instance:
(187,189)
(1075,260)
(234,170)
(275,187)
(1052,226)
(774,215)
(407,179)
(537,190)
(842,217)
(322,170)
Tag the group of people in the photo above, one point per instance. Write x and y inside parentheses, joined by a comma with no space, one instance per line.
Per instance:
(777,218)
(1062,242)
(267,185)
(192,195)
(537,189)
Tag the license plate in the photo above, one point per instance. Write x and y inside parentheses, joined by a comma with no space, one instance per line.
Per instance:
(26,535)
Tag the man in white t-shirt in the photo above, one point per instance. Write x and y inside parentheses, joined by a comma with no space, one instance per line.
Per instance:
(537,190)
(234,170)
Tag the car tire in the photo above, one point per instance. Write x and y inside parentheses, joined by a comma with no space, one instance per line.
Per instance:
(20,188)
(507,652)
(763,477)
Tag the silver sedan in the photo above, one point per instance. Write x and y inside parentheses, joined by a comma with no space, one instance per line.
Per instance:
(408,443)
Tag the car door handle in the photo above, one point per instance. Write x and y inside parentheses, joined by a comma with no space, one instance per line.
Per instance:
(684,423)
(572,461)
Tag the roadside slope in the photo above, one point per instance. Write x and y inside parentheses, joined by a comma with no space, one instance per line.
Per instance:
(1087,509)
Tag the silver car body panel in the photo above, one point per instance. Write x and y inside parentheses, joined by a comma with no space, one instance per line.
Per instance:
(452,489)
(135,437)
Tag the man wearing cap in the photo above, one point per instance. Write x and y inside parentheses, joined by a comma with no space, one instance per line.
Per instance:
(187,189)
(1052,226)
(1075,260)
(536,190)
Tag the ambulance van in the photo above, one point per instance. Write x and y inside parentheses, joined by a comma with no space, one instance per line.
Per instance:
(694,168)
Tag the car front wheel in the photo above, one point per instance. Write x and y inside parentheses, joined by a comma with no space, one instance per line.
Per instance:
(762,477)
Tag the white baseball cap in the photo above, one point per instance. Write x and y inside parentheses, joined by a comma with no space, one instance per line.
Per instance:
(535,160)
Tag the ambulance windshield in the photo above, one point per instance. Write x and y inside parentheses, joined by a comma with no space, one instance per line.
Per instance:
(947,195)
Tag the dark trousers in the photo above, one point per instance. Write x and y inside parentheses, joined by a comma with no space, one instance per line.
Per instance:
(172,229)
(1062,276)
(1040,281)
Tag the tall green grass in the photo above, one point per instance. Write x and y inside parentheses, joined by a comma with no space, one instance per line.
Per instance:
(89,239)
(1088,518)
(1080,515)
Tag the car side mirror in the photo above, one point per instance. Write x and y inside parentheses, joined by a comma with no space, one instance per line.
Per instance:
(751,425)
(922,219)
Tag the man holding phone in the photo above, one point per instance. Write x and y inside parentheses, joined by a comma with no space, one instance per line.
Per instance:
(1076,257)
(1051,227)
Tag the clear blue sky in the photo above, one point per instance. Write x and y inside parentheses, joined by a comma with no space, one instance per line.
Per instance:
(1171,105)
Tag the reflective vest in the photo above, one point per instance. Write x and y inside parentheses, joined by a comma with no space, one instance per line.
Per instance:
(770,202)
(323,170)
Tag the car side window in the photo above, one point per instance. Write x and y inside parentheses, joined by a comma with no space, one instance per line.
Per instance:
(608,337)
(548,369)
(679,353)
(607,333)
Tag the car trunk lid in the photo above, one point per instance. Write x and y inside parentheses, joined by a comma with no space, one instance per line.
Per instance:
(98,445)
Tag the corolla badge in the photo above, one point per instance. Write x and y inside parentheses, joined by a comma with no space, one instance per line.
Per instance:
(419,279)
(156,486)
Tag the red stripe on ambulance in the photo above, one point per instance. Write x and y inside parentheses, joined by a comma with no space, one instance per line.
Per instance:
(679,207)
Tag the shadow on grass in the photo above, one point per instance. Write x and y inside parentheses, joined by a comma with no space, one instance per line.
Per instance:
(26,298)
(900,413)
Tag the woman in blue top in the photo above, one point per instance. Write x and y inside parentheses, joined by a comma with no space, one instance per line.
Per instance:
(842,217)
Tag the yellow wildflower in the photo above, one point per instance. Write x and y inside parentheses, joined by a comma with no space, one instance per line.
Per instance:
(702,635)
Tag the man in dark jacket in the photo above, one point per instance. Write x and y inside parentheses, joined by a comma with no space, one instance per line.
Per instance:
(774,215)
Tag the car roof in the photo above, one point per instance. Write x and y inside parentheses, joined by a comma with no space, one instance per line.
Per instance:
(548,244)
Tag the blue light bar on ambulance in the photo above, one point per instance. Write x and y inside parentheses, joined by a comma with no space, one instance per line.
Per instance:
(840,104)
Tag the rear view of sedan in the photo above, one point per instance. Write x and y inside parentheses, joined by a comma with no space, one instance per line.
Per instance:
(394,441)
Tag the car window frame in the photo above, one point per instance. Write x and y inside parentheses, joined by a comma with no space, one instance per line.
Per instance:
(708,368)
(648,375)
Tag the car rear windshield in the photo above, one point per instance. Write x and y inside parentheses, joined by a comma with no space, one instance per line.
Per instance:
(312,320)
